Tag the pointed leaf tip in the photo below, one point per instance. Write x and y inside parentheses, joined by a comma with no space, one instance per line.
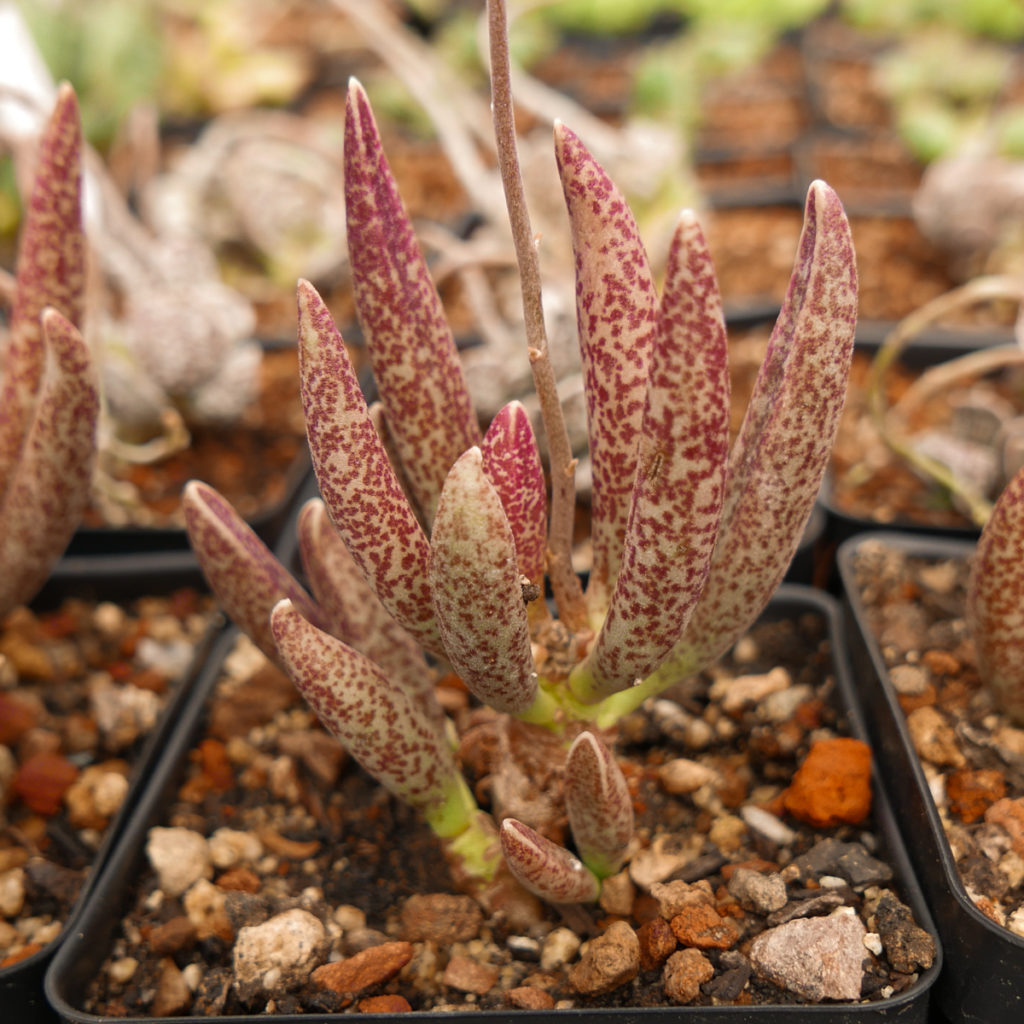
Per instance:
(545,868)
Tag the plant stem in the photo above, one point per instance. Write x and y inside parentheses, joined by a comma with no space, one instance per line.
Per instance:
(565,584)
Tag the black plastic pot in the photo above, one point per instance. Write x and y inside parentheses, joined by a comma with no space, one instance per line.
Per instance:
(983,977)
(83,954)
(113,578)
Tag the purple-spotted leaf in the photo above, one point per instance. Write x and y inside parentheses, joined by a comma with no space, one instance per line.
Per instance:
(616,312)
(995,600)
(599,805)
(545,868)
(363,496)
(379,724)
(48,487)
(512,463)
(50,271)
(478,596)
(783,448)
(241,570)
(678,492)
(415,362)
(350,609)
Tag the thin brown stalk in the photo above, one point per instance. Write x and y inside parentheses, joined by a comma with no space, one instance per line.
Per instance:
(565,585)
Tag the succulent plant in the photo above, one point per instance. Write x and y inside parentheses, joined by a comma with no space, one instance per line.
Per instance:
(431,541)
(48,394)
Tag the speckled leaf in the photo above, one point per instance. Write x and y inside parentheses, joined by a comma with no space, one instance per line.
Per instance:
(50,483)
(545,868)
(677,498)
(512,463)
(363,496)
(350,609)
(50,270)
(242,571)
(478,597)
(598,803)
(379,724)
(995,600)
(783,448)
(616,310)
(414,359)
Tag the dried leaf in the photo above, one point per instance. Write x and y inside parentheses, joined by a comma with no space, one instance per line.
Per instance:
(599,805)
(49,485)
(995,600)
(363,496)
(241,570)
(478,597)
(545,868)
(416,365)
(616,312)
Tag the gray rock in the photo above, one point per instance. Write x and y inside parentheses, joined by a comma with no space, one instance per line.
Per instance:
(278,955)
(907,946)
(847,860)
(817,958)
(756,891)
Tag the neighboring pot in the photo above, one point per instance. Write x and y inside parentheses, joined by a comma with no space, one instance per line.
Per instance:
(983,977)
(83,955)
(110,578)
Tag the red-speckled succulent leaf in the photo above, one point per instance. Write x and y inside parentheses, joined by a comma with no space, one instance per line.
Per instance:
(50,483)
(350,609)
(995,600)
(50,270)
(545,868)
(616,312)
(783,448)
(599,805)
(512,463)
(478,596)
(363,496)
(242,571)
(379,724)
(680,477)
(415,362)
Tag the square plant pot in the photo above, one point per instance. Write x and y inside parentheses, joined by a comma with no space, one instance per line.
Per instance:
(77,849)
(983,976)
(99,939)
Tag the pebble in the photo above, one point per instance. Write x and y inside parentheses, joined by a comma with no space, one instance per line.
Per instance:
(833,785)
(909,680)
(734,694)
(817,958)
(703,927)
(684,973)
(971,791)
(231,847)
(205,906)
(1009,815)
(761,893)
(607,962)
(908,946)
(617,894)
(529,997)
(933,737)
(441,917)
(766,824)
(657,943)
(42,780)
(469,975)
(728,832)
(674,897)
(173,995)
(173,936)
(277,955)
(832,856)
(560,946)
(681,776)
(363,971)
(123,712)
(680,726)
(668,854)
(179,856)
(96,796)
(122,971)
(12,892)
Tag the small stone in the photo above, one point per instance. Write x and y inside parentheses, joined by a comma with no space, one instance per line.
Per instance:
(96,796)
(831,856)
(684,973)
(766,824)
(239,880)
(703,927)
(681,776)
(278,955)
(172,996)
(607,962)
(667,855)
(971,791)
(761,893)
(933,738)
(12,892)
(205,905)
(657,943)
(179,856)
(817,958)
(617,894)
(674,897)
(1008,814)
(909,680)
(173,936)
(365,970)
(736,694)
(441,917)
(122,970)
(728,832)
(529,997)
(833,785)
(908,946)
(1008,742)
(385,1004)
(468,975)
(560,946)
(42,780)
(123,712)
(230,847)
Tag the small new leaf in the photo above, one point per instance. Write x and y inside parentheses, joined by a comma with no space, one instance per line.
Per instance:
(545,868)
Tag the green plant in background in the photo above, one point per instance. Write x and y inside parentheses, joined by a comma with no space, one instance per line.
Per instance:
(999,19)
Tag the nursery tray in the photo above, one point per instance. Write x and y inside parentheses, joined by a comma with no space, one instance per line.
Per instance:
(111,578)
(983,977)
(82,956)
